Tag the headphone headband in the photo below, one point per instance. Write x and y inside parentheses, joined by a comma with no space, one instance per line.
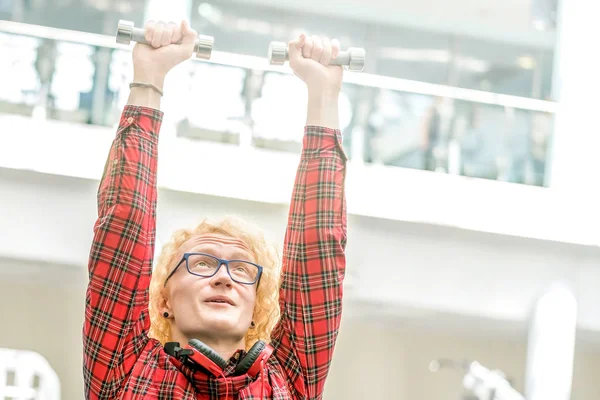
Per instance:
(198,354)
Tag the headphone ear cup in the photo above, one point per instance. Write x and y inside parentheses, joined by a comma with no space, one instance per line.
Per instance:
(250,358)
(208,353)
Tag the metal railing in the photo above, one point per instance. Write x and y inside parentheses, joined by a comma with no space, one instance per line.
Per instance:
(385,120)
(260,63)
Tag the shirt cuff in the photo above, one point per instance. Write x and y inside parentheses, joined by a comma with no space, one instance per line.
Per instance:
(148,119)
(319,141)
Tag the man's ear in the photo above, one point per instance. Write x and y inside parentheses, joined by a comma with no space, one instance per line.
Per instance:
(164,304)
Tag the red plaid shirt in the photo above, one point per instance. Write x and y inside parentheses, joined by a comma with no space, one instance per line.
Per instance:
(122,362)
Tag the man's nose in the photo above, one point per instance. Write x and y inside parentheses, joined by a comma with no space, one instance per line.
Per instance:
(222,277)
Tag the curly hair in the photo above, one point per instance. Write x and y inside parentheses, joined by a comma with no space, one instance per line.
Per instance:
(266,308)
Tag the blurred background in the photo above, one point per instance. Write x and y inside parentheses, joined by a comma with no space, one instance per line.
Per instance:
(474,231)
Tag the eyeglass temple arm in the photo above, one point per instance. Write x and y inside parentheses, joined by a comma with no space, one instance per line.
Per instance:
(174,269)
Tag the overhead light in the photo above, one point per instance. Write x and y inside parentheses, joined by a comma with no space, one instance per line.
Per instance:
(472,64)
(526,62)
(539,25)
(210,13)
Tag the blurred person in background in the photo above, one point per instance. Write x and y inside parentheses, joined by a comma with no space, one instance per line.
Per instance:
(214,318)
(470,139)
(431,135)
(45,67)
(541,129)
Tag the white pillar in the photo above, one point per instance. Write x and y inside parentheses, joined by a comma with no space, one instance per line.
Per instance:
(574,160)
(551,345)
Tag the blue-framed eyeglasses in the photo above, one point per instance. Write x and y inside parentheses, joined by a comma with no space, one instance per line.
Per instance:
(207,265)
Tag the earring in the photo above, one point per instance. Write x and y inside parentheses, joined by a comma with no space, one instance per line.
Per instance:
(166,314)
(252,324)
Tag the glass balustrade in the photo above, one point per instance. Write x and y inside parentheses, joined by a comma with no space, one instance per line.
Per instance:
(385,121)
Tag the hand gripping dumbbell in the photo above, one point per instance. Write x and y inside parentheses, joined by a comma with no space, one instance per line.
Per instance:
(353,58)
(126,33)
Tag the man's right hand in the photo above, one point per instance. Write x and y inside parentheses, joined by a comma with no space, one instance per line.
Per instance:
(170,44)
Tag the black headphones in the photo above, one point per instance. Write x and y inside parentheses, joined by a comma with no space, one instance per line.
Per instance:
(199,355)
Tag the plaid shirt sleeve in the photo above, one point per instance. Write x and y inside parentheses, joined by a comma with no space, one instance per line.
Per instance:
(116,312)
(314,264)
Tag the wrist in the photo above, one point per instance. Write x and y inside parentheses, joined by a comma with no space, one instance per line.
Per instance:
(323,98)
(144,97)
(155,79)
(324,94)
(322,109)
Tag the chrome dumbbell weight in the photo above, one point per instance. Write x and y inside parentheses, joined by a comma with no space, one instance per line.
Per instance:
(127,32)
(353,58)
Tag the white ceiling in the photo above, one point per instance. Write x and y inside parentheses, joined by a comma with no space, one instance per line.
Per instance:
(503,20)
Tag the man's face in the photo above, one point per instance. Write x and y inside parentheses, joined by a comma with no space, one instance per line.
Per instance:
(191,299)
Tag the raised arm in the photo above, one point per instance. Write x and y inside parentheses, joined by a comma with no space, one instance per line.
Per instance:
(120,262)
(314,250)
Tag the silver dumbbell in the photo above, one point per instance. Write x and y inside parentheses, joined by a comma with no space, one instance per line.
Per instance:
(127,32)
(353,58)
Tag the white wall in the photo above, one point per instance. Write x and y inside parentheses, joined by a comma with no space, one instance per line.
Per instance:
(46,318)
(376,362)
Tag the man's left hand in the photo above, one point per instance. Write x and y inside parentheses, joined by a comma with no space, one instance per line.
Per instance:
(309,58)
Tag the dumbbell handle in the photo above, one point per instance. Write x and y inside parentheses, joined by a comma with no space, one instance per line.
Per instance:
(354,58)
(138,35)
(127,32)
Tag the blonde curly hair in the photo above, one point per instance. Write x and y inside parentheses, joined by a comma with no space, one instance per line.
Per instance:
(266,308)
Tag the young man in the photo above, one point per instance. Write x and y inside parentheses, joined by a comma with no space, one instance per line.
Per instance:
(213,320)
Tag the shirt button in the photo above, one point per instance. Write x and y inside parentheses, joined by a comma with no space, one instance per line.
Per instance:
(129,120)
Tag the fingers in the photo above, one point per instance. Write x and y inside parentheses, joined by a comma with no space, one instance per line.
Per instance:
(326,54)
(177,35)
(149,31)
(298,43)
(159,34)
(320,49)
(335,48)
(317,49)
(188,34)
(307,48)
(167,34)
(296,48)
